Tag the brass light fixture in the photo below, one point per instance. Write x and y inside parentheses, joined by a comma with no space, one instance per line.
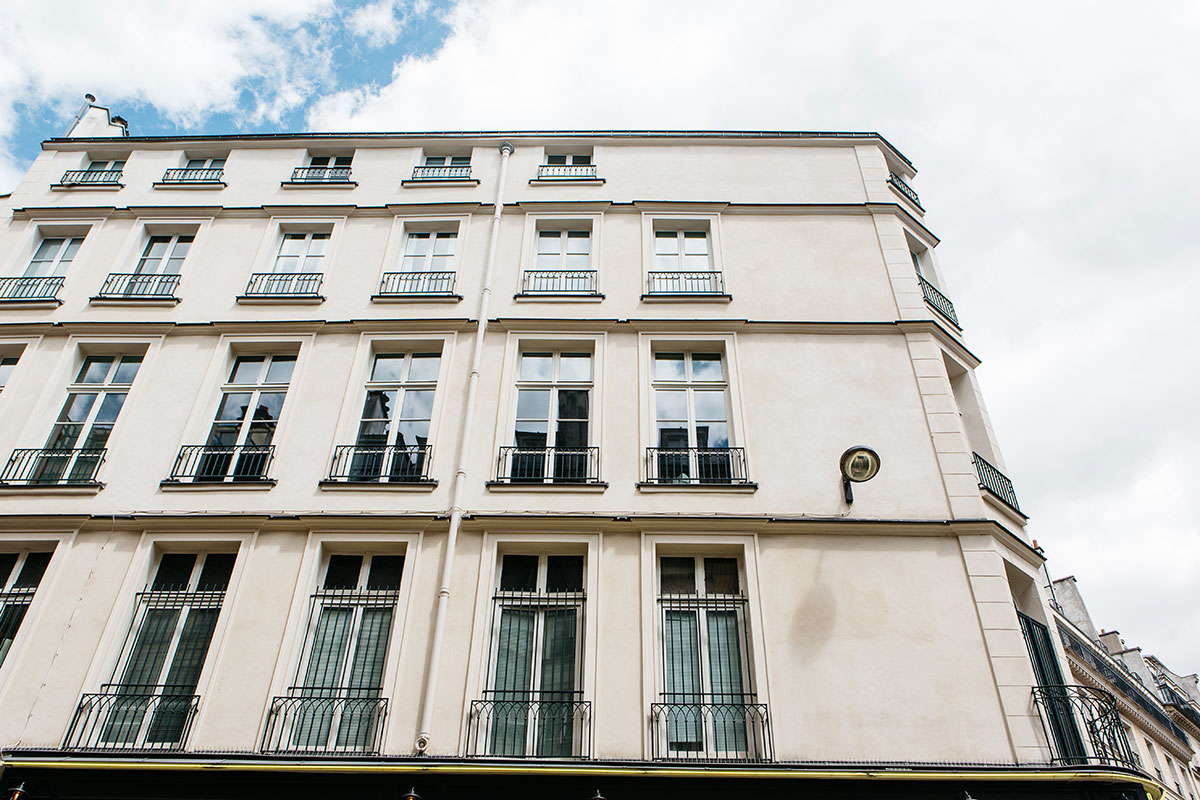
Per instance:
(858,464)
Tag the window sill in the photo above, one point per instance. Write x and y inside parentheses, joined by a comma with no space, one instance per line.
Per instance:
(281,299)
(687,298)
(906,199)
(31,302)
(87,187)
(572,181)
(86,489)
(376,486)
(692,488)
(596,487)
(416,297)
(145,300)
(409,183)
(318,184)
(998,503)
(558,297)
(169,485)
(189,185)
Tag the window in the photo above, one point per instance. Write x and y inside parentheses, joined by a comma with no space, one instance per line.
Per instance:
(562,159)
(393,432)
(20,574)
(297,270)
(691,419)
(197,170)
(207,164)
(239,443)
(683,263)
(429,251)
(533,705)
(562,262)
(324,169)
(151,698)
(335,704)
(708,707)
(443,167)
(447,161)
(53,257)
(115,165)
(567,166)
(7,365)
(551,429)
(157,270)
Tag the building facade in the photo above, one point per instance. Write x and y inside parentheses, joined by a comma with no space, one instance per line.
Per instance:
(507,462)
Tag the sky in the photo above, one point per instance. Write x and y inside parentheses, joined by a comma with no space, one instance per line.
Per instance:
(1056,144)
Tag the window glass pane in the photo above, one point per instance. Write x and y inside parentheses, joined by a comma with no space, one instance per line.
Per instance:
(571,435)
(110,407)
(31,571)
(712,434)
(536,366)
(672,436)
(388,367)
(195,163)
(706,367)
(342,572)
(710,405)
(269,404)
(246,369)
(695,243)
(343,161)
(668,366)
(293,244)
(7,562)
(319,161)
(533,404)
(417,244)
(666,242)
(379,405)
(435,161)
(580,159)
(720,576)
(579,241)
(127,369)
(233,406)
(7,365)
(385,572)
(670,404)
(519,574)
(460,161)
(280,370)
(174,572)
(443,245)
(678,575)
(556,159)
(95,369)
(412,433)
(573,404)
(214,575)
(564,573)
(77,407)
(424,367)
(417,404)
(530,434)
(575,367)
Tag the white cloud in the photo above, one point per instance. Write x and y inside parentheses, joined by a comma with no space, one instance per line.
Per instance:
(378,22)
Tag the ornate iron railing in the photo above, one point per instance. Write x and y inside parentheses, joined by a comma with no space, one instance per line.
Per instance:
(530,725)
(321,174)
(54,467)
(548,465)
(284,284)
(566,171)
(119,285)
(903,188)
(558,281)
(30,288)
(313,719)
(133,717)
(356,463)
(441,173)
(1176,701)
(75,177)
(209,463)
(1067,710)
(995,482)
(193,175)
(401,283)
(703,282)
(939,301)
(710,727)
(696,465)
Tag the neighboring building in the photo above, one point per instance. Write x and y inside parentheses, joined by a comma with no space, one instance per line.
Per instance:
(507,463)
(1160,710)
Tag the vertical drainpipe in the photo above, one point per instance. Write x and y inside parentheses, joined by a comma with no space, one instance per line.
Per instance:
(460,470)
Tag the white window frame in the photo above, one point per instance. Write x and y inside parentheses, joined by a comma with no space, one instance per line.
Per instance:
(11,593)
(273,237)
(58,263)
(535,223)
(397,244)
(58,543)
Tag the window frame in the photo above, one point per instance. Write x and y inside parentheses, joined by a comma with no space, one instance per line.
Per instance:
(9,592)
(564,222)
(273,237)
(394,250)
(666,219)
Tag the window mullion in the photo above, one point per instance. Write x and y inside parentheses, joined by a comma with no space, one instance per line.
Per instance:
(244,429)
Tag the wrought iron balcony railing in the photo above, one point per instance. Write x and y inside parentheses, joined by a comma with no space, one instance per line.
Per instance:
(321,174)
(710,727)
(530,725)
(996,482)
(31,289)
(939,301)
(566,171)
(703,282)
(312,719)
(416,283)
(210,463)
(357,463)
(558,281)
(54,467)
(1177,702)
(696,465)
(119,286)
(1082,726)
(903,188)
(284,284)
(193,175)
(548,465)
(102,177)
(441,173)
(133,717)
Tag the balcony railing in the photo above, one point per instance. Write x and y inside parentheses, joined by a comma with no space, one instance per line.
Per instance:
(441,173)
(1082,726)
(696,465)
(356,463)
(120,285)
(703,282)
(312,719)
(284,284)
(1177,702)
(530,724)
(238,463)
(939,301)
(710,727)
(102,177)
(193,175)
(416,283)
(558,281)
(54,467)
(133,717)
(30,288)
(566,171)
(996,482)
(321,174)
(903,188)
(548,465)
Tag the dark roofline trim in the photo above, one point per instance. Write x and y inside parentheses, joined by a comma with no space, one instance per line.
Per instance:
(614,134)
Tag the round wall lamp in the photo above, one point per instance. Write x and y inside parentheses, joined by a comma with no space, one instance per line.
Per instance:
(858,464)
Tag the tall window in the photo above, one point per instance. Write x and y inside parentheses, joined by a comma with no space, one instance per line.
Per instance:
(708,707)
(691,418)
(429,251)
(533,705)
(239,442)
(20,574)
(7,365)
(393,434)
(301,252)
(328,168)
(151,699)
(336,704)
(682,251)
(53,257)
(164,255)
(551,430)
